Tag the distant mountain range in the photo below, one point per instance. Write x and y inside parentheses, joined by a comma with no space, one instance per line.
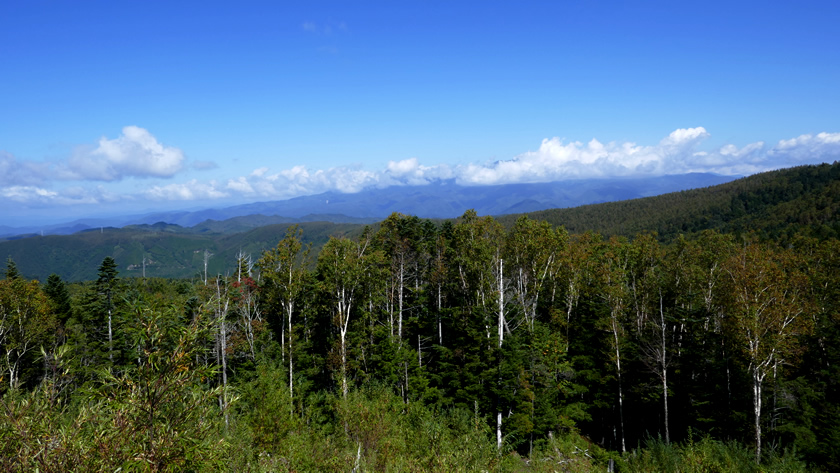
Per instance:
(444,199)
(778,205)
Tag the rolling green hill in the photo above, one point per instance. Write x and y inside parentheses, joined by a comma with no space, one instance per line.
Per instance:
(171,251)
(775,204)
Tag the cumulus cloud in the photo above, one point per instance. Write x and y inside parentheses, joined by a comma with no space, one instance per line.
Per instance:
(17,173)
(35,196)
(807,148)
(299,180)
(556,160)
(27,193)
(190,190)
(411,172)
(135,153)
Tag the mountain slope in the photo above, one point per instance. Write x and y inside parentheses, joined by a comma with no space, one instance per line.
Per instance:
(775,204)
(170,251)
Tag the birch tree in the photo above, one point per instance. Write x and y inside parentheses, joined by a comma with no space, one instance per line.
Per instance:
(284,274)
(342,265)
(532,250)
(575,272)
(26,324)
(767,311)
(615,291)
(397,248)
(479,262)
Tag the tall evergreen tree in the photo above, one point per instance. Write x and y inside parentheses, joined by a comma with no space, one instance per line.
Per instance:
(56,290)
(105,285)
(11,269)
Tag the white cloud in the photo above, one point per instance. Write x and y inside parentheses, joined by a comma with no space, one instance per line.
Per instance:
(190,190)
(136,153)
(240,185)
(34,196)
(411,172)
(807,148)
(299,180)
(16,173)
(27,193)
(677,153)
(554,160)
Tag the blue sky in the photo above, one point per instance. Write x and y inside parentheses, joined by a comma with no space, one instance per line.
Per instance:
(110,107)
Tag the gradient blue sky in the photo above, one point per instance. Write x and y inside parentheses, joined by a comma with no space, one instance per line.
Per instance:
(122,107)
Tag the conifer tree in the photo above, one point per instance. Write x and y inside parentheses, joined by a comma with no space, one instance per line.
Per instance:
(105,285)
(11,269)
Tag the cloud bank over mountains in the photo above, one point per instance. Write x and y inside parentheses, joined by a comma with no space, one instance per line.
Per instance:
(90,174)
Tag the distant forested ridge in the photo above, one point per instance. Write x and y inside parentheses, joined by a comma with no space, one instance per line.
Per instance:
(169,251)
(776,204)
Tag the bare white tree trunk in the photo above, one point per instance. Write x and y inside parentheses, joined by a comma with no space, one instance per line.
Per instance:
(501,340)
(110,335)
(207,256)
(400,299)
(615,328)
(222,315)
(440,323)
(289,308)
(344,305)
(663,360)
(758,378)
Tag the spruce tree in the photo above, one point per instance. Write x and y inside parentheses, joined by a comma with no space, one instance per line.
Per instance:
(11,269)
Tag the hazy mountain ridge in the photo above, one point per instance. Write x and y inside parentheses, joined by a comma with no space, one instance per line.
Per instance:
(437,200)
(776,205)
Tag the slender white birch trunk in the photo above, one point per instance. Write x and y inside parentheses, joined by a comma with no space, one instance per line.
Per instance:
(501,340)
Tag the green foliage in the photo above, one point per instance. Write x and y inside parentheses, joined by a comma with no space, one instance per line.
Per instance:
(168,254)
(778,204)
(406,348)
(27,323)
(59,297)
(157,416)
(11,269)
(707,455)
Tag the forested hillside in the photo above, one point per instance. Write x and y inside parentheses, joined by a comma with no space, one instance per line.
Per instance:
(459,346)
(169,251)
(776,204)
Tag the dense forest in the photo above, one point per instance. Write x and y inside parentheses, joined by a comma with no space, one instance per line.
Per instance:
(462,345)
(776,204)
